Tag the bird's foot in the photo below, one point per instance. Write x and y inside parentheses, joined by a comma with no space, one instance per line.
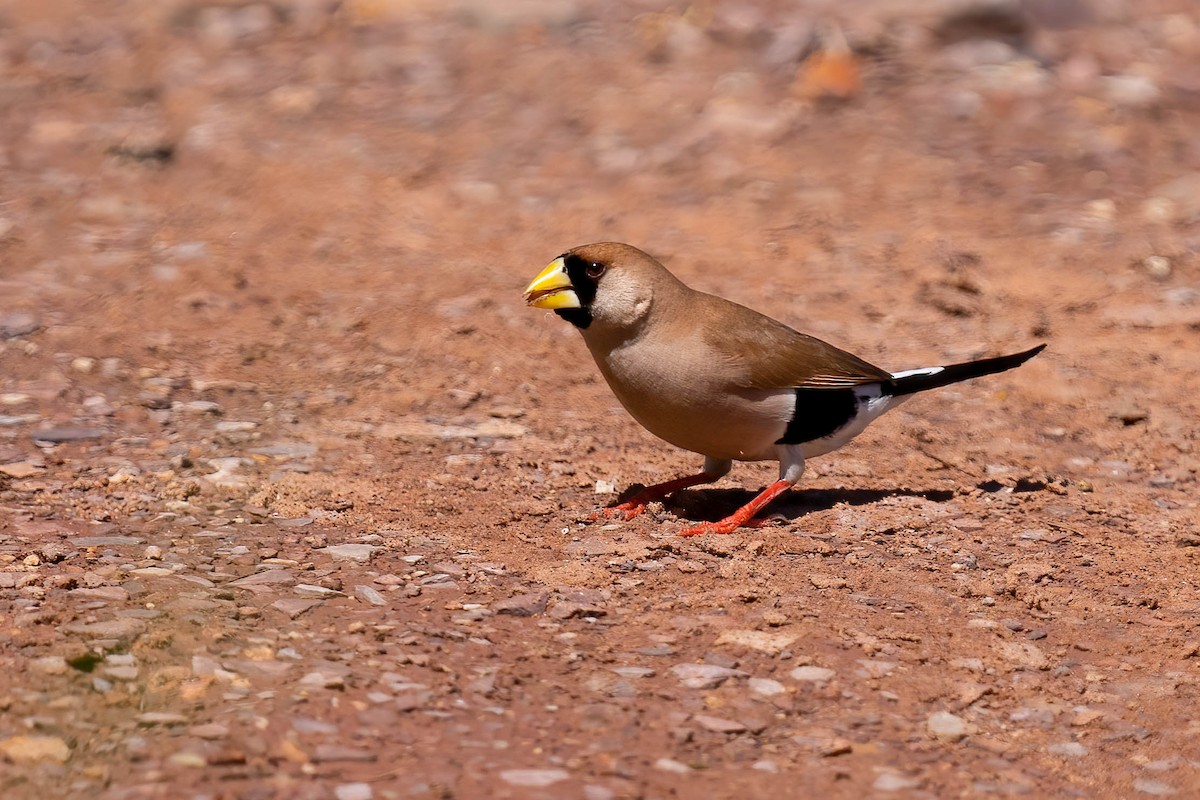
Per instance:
(724,526)
(626,511)
(729,525)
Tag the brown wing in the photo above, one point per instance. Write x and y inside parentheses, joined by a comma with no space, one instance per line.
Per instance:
(770,355)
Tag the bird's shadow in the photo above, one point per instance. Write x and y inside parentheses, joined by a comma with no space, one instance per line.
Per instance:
(708,505)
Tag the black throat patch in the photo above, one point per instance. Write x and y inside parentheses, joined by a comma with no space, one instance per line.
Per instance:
(579,317)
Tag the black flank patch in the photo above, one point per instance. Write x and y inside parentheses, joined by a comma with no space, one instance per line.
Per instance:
(819,412)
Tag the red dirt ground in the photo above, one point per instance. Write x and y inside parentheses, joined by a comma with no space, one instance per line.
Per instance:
(260,281)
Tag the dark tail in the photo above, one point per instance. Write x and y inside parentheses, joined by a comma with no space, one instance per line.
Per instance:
(918,380)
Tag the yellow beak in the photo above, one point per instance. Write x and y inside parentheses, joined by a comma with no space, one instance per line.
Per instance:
(552,288)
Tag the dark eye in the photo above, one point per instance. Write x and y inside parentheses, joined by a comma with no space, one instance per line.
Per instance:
(595,270)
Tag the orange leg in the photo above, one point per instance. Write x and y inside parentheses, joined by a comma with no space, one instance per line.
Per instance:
(743,515)
(637,504)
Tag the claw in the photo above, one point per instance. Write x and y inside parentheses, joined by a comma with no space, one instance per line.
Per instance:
(628,510)
(724,526)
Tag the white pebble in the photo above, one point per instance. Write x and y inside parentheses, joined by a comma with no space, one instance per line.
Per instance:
(814,674)
(766,687)
(353,791)
(1157,266)
(947,727)
(533,777)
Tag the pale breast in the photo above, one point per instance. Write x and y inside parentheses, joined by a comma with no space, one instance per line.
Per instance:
(672,391)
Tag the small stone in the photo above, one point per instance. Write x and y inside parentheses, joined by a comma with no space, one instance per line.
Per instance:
(315,726)
(369,595)
(187,759)
(322,680)
(1131,91)
(891,782)
(671,765)
(1157,267)
(360,553)
(122,673)
(1085,716)
(947,727)
(103,541)
(66,434)
(235,426)
(315,591)
(353,791)
(812,674)
(1130,415)
(534,777)
(124,630)
(32,749)
(763,641)
(17,323)
(265,581)
(1155,788)
(198,407)
(1183,196)
(293,607)
(1024,654)
(209,731)
(635,672)
(1026,715)
(827,581)
(567,609)
(50,665)
(835,746)
(704,676)
(1068,749)
(293,101)
(877,669)
(775,618)
(766,687)
(21,470)
(227,470)
(718,725)
(969,692)
(523,605)
(765,765)
(152,572)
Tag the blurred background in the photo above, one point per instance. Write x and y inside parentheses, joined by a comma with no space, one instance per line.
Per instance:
(338,202)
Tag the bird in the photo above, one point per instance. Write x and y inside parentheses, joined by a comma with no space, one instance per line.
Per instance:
(716,378)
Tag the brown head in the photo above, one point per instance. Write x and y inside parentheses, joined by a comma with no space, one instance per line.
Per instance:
(609,285)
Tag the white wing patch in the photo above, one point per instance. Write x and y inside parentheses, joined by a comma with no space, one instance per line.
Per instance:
(922,371)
